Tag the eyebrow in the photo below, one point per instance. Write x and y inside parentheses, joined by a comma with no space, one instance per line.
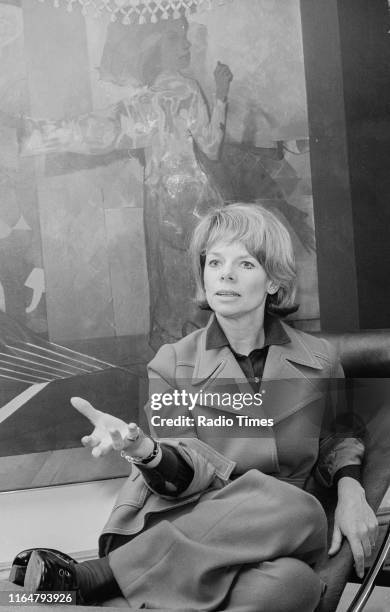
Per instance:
(216,253)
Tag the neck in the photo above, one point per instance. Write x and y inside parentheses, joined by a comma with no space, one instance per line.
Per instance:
(244,334)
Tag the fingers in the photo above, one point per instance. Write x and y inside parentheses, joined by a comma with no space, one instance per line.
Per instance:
(366,545)
(99,447)
(361,537)
(336,541)
(373,526)
(85,408)
(90,441)
(134,437)
(134,432)
(117,440)
(102,446)
(374,532)
(356,520)
(362,545)
(358,555)
(102,449)
(369,534)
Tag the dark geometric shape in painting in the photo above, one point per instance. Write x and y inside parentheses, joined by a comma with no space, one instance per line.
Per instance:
(49,422)
(37,380)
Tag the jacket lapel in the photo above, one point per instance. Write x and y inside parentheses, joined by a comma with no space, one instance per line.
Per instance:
(214,363)
(217,371)
(286,386)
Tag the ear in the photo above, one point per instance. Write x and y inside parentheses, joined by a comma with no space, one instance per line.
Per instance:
(272,288)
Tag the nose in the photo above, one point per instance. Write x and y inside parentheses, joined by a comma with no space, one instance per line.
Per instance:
(227,273)
(187,44)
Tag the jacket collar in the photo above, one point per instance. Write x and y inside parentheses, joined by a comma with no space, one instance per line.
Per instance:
(221,361)
(298,351)
(274,333)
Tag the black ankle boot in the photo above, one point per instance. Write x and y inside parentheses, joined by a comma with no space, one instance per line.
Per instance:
(49,571)
(19,564)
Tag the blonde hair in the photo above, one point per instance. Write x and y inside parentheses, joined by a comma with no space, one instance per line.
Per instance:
(264,237)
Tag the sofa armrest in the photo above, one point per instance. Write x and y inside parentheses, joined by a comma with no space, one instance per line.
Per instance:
(335,571)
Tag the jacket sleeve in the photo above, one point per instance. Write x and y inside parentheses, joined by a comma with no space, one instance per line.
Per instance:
(171,476)
(171,422)
(341,447)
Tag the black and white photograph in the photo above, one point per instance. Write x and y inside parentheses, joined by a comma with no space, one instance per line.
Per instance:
(195,305)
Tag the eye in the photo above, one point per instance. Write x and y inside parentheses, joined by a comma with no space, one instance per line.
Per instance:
(213,263)
(247,264)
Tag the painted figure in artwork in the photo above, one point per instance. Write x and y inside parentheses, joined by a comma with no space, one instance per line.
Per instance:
(169,119)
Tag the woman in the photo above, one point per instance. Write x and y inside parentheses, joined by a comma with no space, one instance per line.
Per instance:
(166,116)
(216,517)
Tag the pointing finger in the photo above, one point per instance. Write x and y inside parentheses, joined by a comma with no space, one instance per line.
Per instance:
(85,408)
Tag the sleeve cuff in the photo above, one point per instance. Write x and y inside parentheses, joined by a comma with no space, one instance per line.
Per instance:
(353,471)
(171,476)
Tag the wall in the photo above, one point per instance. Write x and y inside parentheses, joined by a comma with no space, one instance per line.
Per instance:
(349,129)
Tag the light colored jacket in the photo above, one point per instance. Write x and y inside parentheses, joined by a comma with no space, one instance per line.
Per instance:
(298,392)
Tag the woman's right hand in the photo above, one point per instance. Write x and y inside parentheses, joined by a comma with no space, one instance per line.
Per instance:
(111,433)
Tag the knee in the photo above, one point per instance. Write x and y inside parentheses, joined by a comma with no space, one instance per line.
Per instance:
(311,513)
(283,585)
(300,586)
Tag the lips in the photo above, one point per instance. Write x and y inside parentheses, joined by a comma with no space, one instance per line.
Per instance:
(228,293)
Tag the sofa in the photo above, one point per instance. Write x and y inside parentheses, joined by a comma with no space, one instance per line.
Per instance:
(365,356)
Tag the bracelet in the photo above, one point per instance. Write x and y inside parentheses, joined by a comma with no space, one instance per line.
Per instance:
(143,460)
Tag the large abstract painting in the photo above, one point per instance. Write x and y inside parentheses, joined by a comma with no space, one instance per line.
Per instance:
(119,129)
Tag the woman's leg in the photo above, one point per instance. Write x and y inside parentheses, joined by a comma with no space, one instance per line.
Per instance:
(283,585)
(194,560)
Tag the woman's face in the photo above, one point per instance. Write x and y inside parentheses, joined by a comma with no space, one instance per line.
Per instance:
(236,284)
(175,47)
